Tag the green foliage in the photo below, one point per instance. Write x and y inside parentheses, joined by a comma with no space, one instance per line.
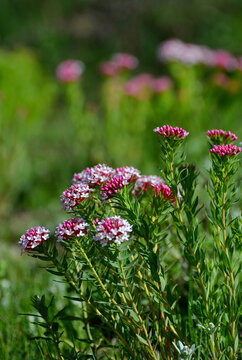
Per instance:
(171,291)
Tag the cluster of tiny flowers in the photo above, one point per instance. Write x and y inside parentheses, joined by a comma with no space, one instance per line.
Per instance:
(113,229)
(75,195)
(71,227)
(216,134)
(123,176)
(69,71)
(33,238)
(129,174)
(163,190)
(94,176)
(191,54)
(225,150)
(171,132)
(112,186)
(119,62)
(144,182)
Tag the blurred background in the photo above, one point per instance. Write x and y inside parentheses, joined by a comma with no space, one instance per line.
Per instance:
(55,121)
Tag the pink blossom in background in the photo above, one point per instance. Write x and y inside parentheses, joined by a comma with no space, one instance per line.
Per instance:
(139,84)
(125,61)
(216,134)
(225,150)
(94,176)
(33,238)
(192,54)
(171,132)
(162,84)
(163,190)
(145,182)
(108,68)
(69,71)
(71,227)
(113,229)
(75,195)
(224,60)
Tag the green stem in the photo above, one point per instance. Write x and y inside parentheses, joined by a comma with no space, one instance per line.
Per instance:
(136,311)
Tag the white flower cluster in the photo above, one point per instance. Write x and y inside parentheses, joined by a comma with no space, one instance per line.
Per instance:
(113,229)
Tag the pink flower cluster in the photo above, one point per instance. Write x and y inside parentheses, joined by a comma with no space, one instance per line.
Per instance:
(94,176)
(69,71)
(33,238)
(119,62)
(172,132)
(113,229)
(216,134)
(71,227)
(225,150)
(163,190)
(122,177)
(191,54)
(144,84)
(144,182)
(75,195)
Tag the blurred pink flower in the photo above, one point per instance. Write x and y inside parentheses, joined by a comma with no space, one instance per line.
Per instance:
(75,195)
(163,190)
(69,71)
(224,60)
(125,61)
(108,68)
(162,84)
(192,54)
(139,85)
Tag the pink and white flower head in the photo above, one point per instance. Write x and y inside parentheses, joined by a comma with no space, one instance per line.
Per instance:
(140,85)
(125,61)
(145,182)
(129,173)
(71,228)
(123,176)
(108,68)
(161,84)
(225,150)
(171,132)
(75,195)
(113,230)
(221,135)
(33,238)
(164,191)
(69,71)
(94,176)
